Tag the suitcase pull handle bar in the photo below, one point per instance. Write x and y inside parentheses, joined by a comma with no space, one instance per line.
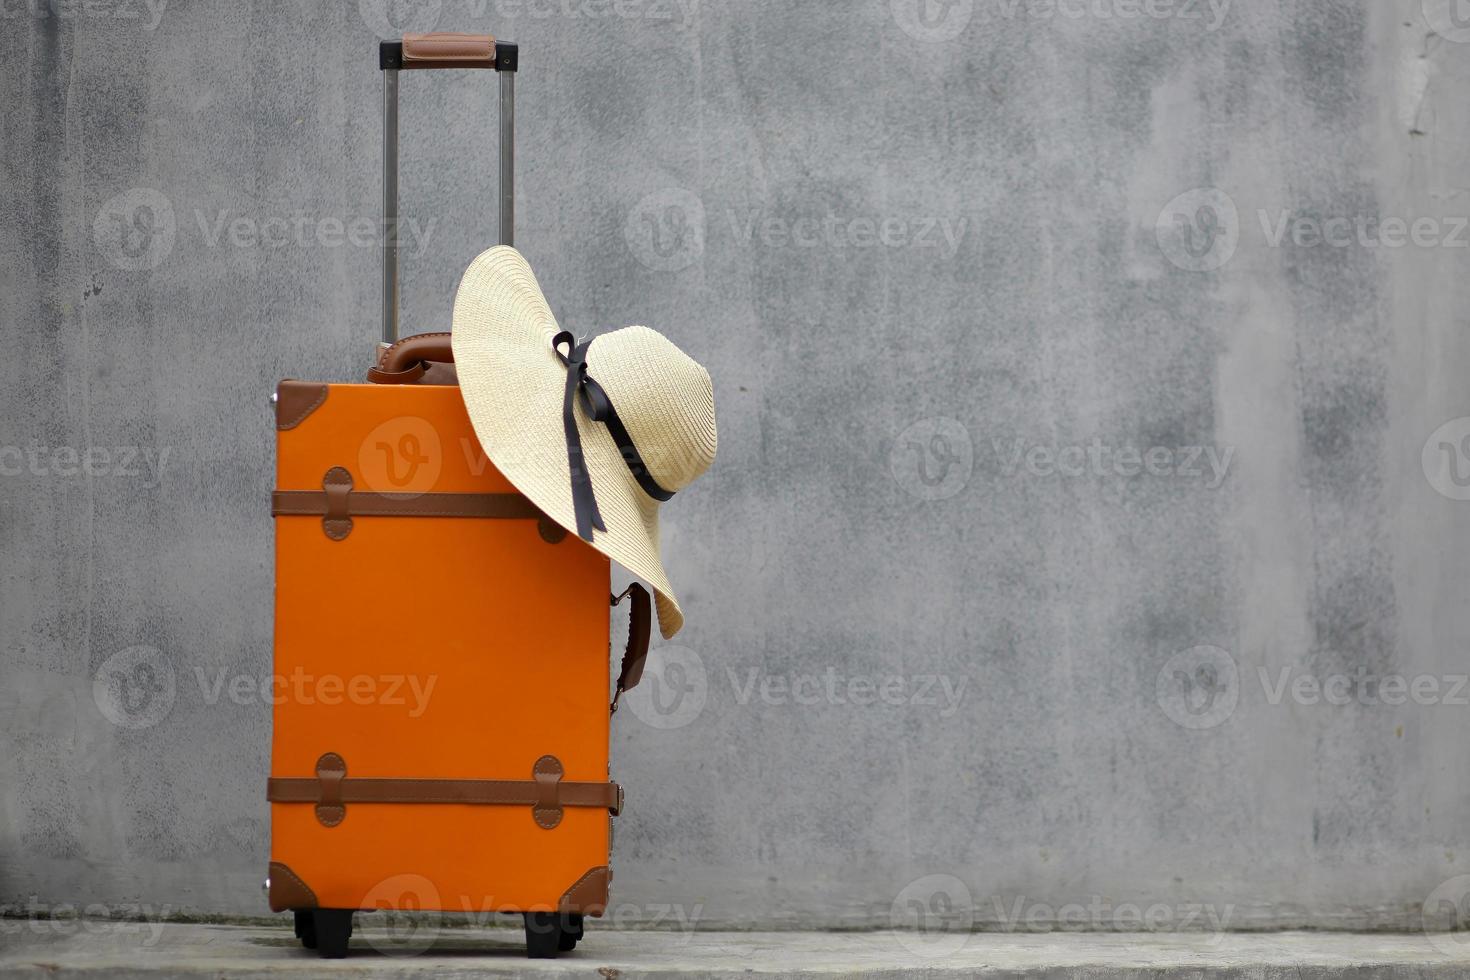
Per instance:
(422,51)
(425,51)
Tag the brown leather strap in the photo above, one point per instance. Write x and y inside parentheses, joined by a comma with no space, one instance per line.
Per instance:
(331,790)
(506,792)
(361,503)
(640,617)
(407,361)
(446,50)
(337,503)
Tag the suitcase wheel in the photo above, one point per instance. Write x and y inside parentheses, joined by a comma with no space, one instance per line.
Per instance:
(571,931)
(548,934)
(306,928)
(330,929)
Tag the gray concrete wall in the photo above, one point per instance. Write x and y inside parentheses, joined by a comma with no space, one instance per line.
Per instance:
(1061,463)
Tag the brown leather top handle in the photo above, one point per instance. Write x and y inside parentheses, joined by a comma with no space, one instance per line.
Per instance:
(425,358)
(444,50)
(640,618)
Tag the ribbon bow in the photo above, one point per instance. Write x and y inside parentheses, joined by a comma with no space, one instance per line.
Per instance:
(599,408)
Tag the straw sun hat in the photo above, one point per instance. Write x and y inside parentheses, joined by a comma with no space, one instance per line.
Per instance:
(597,434)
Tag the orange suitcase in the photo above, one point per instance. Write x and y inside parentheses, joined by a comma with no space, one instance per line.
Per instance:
(441,678)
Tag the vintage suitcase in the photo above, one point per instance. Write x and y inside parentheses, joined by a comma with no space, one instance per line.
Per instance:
(441,675)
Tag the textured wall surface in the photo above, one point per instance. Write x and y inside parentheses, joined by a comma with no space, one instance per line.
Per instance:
(1088,536)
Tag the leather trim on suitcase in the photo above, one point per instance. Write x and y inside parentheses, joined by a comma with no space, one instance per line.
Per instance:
(425,358)
(588,894)
(331,790)
(287,890)
(295,400)
(448,50)
(337,503)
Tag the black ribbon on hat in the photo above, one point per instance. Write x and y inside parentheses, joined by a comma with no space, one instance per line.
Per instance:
(599,409)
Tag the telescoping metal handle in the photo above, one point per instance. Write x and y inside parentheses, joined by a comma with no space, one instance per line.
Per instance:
(422,51)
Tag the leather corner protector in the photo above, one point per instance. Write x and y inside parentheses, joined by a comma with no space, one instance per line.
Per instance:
(287,890)
(588,894)
(295,400)
(547,810)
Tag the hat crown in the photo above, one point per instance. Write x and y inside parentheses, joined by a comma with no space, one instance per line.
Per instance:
(664,399)
(516,384)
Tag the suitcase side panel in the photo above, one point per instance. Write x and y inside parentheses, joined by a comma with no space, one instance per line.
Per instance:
(432,647)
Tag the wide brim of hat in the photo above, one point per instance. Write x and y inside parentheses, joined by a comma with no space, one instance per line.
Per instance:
(513,385)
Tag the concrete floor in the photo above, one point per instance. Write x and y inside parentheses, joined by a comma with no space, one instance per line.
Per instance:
(68,948)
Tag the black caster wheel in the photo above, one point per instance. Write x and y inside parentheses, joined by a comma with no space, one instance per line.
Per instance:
(571,931)
(305,928)
(332,928)
(543,935)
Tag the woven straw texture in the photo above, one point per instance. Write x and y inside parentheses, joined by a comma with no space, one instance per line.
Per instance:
(513,385)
